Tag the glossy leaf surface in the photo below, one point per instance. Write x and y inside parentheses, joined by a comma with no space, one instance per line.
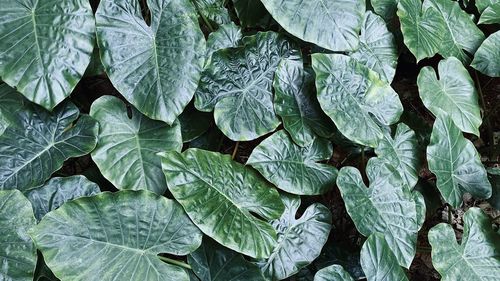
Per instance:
(491,14)
(227,36)
(10,103)
(213,11)
(333,273)
(487,57)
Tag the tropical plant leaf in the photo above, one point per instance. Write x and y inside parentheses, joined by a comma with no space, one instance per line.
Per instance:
(116,236)
(212,10)
(41,142)
(494,177)
(127,147)
(385,8)
(221,197)
(377,47)
(333,25)
(482,5)
(10,103)
(155,67)
(58,191)
(45,47)
(252,13)
(227,36)
(476,258)
(299,240)
(212,262)
(343,254)
(453,93)
(237,85)
(379,262)
(355,97)
(333,273)
(95,66)
(387,207)
(422,27)
(487,57)
(491,14)
(17,252)
(278,157)
(194,123)
(456,163)
(296,103)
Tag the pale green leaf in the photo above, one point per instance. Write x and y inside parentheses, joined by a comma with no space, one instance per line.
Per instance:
(333,273)
(227,36)
(481,5)
(487,57)
(491,14)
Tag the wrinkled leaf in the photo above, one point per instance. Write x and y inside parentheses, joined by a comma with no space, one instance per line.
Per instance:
(491,14)
(213,10)
(487,57)
(333,273)
(227,36)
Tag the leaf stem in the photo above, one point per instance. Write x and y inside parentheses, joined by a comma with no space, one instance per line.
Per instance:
(486,117)
(175,262)
(235,150)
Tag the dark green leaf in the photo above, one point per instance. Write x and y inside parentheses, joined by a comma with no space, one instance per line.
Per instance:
(194,123)
(10,103)
(385,8)
(494,177)
(252,13)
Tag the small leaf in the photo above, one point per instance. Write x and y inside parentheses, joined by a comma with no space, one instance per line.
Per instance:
(355,97)
(213,10)
(292,168)
(333,273)
(487,57)
(456,163)
(477,258)
(193,123)
(252,13)
(227,36)
(17,251)
(116,236)
(10,103)
(222,198)
(494,177)
(491,14)
(385,8)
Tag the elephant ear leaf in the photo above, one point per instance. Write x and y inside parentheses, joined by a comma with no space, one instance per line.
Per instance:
(487,57)
(476,258)
(155,67)
(116,236)
(491,14)
(10,103)
(227,36)
(333,273)
(456,163)
(223,197)
(213,11)
(17,251)
(46,47)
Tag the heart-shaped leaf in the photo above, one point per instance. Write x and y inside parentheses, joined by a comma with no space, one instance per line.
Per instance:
(355,97)
(155,67)
(455,162)
(278,157)
(333,25)
(333,273)
(41,141)
(476,258)
(221,197)
(45,47)
(454,93)
(491,14)
(127,147)
(487,57)
(17,252)
(114,236)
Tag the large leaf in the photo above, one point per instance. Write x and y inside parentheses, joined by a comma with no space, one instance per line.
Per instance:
(40,143)
(155,67)
(387,207)
(455,162)
(453,93)
(333,273)
(227,36)
(333,25)
(299,240)
(17,252)
(127,147)
(10,103)
(379,262)
(222,198)
(212,262)
(476,258)
(58,191)
(402,153)
(491,14)
(482,5)
(116,236)
(377,47)
(487,57)
(422,27)
(385,8)
(355,97)
(292,168)
(296,103)
(45,47)
(237,85)
(212,11)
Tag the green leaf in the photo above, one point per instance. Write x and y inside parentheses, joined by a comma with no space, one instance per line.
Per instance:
(494,177)
(194,123)
(491,14)
(58,191)
(116,236)
(344,254)
(252,13)
(402,153)
(155,67)
(387,207)
(487,57)
(333,273)
(213,10)
(212,262)
(377,47)
(482,5)
(299,240)
(222,198)
(333,25)
(41,142)
(379,262)
(127,147)
(477,258)
(453,93)
(422,28)
(17,252)
(296,103)
(46,47)
(385,8)
(292,168)
(455,162)
(460,33)
(227,36)
(237,85)
(95,66)
(355,97)
(10,103)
